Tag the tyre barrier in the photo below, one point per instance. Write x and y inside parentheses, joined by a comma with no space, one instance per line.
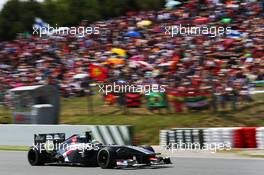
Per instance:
(235,137)
(215,136)
(179,136)
(164,137)
(260,137)
(245,137)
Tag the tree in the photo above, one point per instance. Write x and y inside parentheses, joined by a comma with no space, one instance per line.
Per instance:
(17,17)
(150,4)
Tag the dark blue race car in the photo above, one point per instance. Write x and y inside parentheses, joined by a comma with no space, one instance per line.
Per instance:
(82,150)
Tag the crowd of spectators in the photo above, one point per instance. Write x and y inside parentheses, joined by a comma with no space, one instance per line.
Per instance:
(222,64)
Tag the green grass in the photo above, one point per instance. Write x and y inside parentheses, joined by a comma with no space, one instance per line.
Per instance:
(257,153)
(13,148)
(255,156)
(5,115)
(148,124)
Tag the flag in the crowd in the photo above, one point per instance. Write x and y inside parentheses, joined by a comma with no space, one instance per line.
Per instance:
(97,72)
(133,100)
(41,26)
(110,99)
(157,100)
(197,101)
(259,83)
(175,97)
(175,61)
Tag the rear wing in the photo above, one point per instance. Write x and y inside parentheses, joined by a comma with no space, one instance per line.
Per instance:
(53,137)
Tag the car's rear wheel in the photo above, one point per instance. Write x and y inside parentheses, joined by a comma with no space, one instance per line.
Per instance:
(106,158)
(167,160)
(36,158)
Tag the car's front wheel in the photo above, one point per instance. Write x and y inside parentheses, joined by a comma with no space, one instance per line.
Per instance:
(106,158)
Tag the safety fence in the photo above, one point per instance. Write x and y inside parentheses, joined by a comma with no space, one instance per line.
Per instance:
(22,135)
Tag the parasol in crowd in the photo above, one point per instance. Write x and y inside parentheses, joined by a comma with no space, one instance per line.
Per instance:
(144,64)
(80,76)
(234,34)
(144,23)
(166,64)
(119,51)
(133,34)
(115,61)
(201,20)
(226,20)
(171,4)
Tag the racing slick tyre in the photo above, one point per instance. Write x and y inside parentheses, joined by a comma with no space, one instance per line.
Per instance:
(106,158)
(147,147)
(36,158)
(167,160)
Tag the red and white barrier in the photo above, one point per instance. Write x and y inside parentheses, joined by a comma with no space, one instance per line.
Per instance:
(219,136)
(236,137)
(260,137)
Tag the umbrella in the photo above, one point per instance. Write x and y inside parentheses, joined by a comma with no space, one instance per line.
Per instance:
(4,66)
(201,20)
(171,4)
(142,63)
(121,81)
(19,85)
(136,58)
(115,61)
(144,23)
(234,34)
(231,5)
(119,51)
(226,20)
(166,64)
(132,64)
(80,76)
(133,34)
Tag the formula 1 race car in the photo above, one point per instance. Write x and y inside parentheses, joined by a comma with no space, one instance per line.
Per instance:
(82,150)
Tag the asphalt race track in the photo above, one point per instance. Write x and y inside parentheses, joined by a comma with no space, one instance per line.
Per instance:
(15,163)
